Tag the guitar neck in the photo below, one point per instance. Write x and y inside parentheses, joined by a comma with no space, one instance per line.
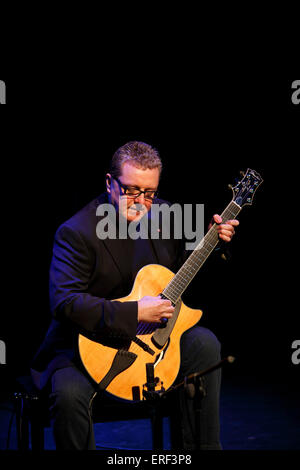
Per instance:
(197,258)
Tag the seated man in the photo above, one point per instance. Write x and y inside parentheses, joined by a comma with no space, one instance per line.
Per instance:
(87,273)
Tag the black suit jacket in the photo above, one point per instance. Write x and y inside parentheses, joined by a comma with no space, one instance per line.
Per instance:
(86,273)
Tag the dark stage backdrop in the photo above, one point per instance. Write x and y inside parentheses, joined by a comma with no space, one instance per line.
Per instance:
(54,161)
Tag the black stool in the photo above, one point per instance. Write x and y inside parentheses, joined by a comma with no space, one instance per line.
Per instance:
(32,415)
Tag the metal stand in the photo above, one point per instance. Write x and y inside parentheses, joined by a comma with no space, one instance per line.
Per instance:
(193,385)
(154,396)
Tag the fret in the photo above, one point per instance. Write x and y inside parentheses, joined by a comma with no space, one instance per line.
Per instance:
(212,246)
(174,290)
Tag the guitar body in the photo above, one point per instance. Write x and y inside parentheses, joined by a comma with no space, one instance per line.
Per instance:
(151,280)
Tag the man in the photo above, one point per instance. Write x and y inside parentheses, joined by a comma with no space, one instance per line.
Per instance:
(87,273)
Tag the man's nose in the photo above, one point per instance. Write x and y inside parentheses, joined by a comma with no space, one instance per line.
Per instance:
(140,198)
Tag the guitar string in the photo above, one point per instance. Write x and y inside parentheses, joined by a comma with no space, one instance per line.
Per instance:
(144,329)
(190,268)
(232,210)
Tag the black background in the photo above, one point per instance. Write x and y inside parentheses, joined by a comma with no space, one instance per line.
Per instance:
(58,132)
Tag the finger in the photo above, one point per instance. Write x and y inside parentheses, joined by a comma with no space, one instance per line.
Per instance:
(168,309)
(217,218)
(226,238)
(226,229)
(166,315)
(163,299)
(234,222)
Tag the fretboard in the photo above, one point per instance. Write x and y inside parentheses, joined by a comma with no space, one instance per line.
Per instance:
(189,269)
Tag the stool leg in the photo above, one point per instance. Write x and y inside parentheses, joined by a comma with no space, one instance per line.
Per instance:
(157,429)
(175,432)
(37,435)
(175,418)
(37,426)
(22,424)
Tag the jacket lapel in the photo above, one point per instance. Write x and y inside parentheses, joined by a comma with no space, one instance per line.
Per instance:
(117,249)
(158,244)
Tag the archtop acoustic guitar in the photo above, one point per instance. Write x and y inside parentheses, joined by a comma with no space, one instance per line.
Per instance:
(120,369)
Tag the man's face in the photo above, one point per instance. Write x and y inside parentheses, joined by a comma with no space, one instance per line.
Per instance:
(132,208)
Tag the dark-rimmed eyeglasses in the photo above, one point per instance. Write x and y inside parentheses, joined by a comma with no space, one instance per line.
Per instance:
(134,192)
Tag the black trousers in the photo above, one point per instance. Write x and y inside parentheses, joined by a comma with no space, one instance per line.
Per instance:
(72,393)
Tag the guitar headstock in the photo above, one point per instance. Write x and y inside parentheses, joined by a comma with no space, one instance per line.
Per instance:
(243,192)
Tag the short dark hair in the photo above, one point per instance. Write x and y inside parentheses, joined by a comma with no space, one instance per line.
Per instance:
(139,154)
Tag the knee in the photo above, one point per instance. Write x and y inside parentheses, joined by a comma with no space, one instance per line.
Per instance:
(65,399)
(68,396)
(200,347)
(206,342)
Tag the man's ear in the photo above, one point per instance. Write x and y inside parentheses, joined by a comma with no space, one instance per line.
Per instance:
(108,182)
